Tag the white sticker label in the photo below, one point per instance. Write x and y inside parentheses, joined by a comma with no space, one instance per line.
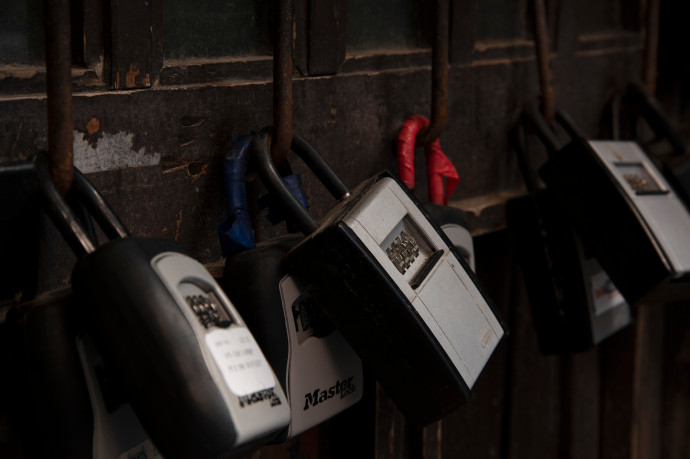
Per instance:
(240,360)
(605,294)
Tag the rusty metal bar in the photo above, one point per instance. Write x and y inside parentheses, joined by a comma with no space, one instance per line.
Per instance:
(439,77)
(282,81)
(59,90)
(651,45)
(541,41)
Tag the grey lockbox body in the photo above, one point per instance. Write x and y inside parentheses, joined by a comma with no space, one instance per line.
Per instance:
(574,303)
(658,205)
(319,371)
(399,292)
(171,339)
(325,374)
(246,381)
(462,240)
(627,215)
(446,298)
(609,312)
(181,353)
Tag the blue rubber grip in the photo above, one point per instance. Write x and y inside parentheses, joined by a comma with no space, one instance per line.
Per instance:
(276,212)
(236,233)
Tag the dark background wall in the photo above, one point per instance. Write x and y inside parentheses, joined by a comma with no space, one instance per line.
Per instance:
(159,90)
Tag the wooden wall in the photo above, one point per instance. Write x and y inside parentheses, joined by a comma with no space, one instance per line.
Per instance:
(155,149)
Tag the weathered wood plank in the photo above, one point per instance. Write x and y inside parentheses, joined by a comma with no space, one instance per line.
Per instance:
(676,385)
(617,356)
(137,43)
(463,31)
(327,36)
(581,393)
(648,383)
(534,391)
(140,143)
(392,430)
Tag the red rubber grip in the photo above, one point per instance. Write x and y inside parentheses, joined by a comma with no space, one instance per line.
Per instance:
(406,138)
(438,165)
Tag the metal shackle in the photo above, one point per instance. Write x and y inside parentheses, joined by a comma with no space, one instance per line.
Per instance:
(531,114)
(63,215)
(517,138)
(651,112)
(266,169)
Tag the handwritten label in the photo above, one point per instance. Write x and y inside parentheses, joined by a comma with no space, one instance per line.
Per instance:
(240,360)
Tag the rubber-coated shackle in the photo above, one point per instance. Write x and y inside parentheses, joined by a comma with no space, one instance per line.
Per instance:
(532,115)
(261,154)
(63,216)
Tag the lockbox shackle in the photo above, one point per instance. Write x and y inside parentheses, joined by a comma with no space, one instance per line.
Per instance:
(437,164)
(533,117)
(270,177)
(63,216)
(651,112)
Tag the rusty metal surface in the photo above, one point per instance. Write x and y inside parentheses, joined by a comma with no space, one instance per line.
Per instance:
(59,89)
(541,42)
(282,82)
(651,45)
(439,77)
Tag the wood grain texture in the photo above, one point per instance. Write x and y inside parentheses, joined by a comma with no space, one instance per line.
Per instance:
(676,389)
(137,43)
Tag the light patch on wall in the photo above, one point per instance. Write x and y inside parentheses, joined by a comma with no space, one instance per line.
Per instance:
(112,151)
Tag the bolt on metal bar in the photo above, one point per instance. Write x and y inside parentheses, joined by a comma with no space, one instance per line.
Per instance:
(282,82)
(651,45)
(439,77)
(541,41)
(59,91)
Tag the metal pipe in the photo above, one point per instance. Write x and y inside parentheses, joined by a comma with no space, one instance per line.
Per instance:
(541,41)
(282,82)
(651,45)
(439,77)
(59,91)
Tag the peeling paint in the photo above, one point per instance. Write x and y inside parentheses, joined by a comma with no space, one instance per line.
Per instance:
(100,66)
(113,151)
(130,78)
(93,126)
